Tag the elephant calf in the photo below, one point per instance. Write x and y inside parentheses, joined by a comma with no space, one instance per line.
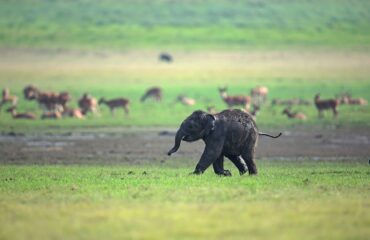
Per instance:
(230,133)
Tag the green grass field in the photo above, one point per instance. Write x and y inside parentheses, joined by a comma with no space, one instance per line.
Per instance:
(177,24)
(288,200)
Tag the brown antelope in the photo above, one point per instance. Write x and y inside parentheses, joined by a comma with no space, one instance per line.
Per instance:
(7,98)
(259,94)
(154,92)
(256,109)
(357,101)
(16,115)
(185,100)
(88,104)
(116,103)
(73,112)
(234,100)
(51,115)
(50,100)
(352,101)
(294,115)
(329,104)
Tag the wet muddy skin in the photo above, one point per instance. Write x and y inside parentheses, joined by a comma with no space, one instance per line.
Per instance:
(149,146)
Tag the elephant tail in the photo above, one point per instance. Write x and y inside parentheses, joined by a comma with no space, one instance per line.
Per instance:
(268,135)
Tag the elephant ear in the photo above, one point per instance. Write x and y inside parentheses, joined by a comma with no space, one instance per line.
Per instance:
(210,124)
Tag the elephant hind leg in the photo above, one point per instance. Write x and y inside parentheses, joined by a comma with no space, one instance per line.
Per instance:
(239,163)
(218,167)
(248,154)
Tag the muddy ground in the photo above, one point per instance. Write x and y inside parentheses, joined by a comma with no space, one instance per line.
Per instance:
(149,146)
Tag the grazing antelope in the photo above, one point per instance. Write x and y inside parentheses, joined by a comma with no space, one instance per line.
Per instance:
(7,98)
(185,100)
(329,104)
(259,94)
(154,92)
(88,104)
(116,103)
(16,115)
(50,100)
(294,115)
(234,100)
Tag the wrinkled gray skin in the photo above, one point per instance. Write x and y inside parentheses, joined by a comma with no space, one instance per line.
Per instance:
(230,133)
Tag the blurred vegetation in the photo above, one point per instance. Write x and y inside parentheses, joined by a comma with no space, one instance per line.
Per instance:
(127,24)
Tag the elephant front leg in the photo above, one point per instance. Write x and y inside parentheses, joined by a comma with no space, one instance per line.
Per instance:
(218,167)
(211,153)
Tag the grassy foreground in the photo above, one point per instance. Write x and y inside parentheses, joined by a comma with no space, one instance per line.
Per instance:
(288,200)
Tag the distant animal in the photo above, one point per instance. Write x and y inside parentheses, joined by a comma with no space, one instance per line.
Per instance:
(49,100)
(294,115)
(357,101)
(231,101)
(328,104)
(230,133)
(16,115)
(7,98)
(51,115)
(88,104)
(154,92)
(259,94)
(185,100)
(353,101)
(165,57)
(73,112)
(256,109)
(116,103)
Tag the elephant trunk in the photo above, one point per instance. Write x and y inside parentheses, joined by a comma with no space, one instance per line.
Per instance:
(179,136)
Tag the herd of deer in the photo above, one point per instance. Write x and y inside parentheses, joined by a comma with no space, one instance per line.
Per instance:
(55,104)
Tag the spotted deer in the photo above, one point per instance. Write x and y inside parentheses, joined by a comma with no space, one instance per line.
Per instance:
(328,104)
(88,104)
(16,115)
(185,100)
(116,103)
(7,98)
(234,100)
(259,94)
(294,115)
(154,92)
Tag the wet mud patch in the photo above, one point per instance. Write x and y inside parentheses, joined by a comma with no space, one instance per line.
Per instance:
(149,146)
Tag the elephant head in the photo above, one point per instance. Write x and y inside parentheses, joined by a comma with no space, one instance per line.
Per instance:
(197,126)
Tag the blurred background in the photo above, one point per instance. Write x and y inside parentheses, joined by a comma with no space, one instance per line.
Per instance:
(188,50)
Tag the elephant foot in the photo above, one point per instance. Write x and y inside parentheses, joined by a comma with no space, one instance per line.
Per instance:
(243,172)
(197,172)
(225,173)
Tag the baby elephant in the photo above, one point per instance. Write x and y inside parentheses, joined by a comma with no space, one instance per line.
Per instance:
(230,133)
